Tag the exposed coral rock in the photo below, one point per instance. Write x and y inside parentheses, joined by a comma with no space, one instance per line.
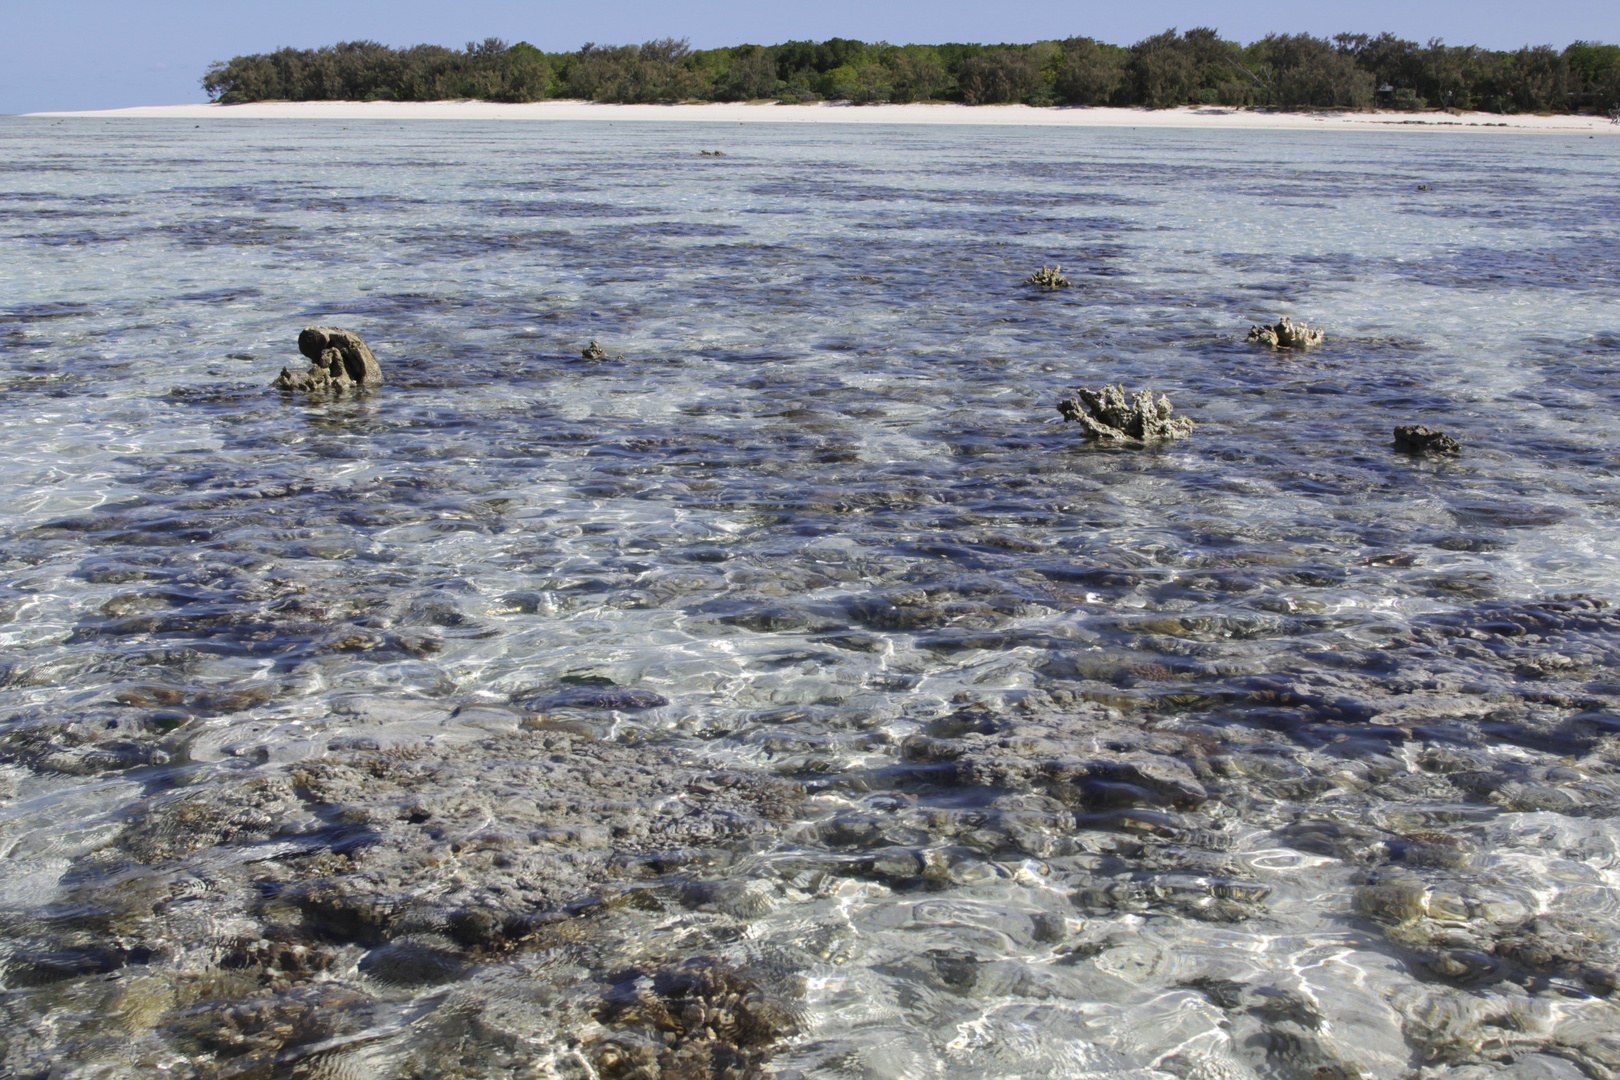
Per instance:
(1048,278)
(341,360)
(700,1018)
(1105,414)
(590,697)
(1286,334)
(1417,439)
(413,865)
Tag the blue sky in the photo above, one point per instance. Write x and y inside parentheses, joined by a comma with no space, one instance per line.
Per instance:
(95,54)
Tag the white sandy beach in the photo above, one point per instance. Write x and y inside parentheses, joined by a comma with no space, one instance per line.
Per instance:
(1211,117)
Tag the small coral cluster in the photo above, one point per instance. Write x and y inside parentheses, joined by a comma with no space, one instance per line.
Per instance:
(1286,334)
(594,351)
(1048,277)
(1106,414)
(701,1018)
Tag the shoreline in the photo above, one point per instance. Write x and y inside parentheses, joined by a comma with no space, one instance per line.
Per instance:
(1187,116)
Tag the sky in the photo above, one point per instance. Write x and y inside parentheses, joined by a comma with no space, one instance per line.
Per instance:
(105,54)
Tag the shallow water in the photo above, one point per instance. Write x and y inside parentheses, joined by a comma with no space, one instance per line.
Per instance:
(792,691)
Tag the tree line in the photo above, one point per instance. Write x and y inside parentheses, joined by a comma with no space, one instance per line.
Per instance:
(1195,67)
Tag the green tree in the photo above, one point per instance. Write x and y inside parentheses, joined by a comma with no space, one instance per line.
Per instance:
(1456,76)
(839,83)
(601,72)
(429,73)
(1090,73)
(1309,72)
(1594,74)
(871,83)
(916,73)
(1162,71)
(1391,61)
(750,74)
(655,71)
(525,74)
(999,76)
(1538,80)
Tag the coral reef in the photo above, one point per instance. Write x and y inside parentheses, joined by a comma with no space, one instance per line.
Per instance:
(534,893)
(1286,334)
(1106,414)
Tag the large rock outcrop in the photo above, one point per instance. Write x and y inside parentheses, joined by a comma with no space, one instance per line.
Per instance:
(340,360)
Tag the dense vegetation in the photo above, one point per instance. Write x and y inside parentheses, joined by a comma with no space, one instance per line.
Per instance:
(1196,67)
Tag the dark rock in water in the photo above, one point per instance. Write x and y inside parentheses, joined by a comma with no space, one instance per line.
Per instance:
(590,697)
(1105,414)
(27,968)
(251,1035)
(409,963)
(1417,439)
(340,361)
(1567,946)
(1286,334)
(593,351)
